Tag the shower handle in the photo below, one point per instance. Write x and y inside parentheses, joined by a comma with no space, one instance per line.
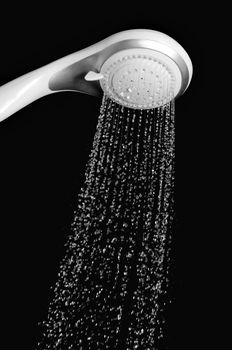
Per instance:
(29,87)
(19,92)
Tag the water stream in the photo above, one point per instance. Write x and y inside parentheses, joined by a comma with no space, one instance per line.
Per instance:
(112,287)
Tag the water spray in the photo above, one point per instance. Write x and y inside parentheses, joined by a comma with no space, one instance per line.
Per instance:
(112,286)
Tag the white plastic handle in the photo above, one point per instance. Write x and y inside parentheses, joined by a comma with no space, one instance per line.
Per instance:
(21,91)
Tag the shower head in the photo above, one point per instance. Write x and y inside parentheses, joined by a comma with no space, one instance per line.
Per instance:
(137,68)
(147,71)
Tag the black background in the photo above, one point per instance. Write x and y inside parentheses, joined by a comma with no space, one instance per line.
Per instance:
(45,146)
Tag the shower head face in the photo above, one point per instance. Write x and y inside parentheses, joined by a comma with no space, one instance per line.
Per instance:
(140,78)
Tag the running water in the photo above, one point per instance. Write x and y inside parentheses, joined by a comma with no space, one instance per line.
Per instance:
(112,286)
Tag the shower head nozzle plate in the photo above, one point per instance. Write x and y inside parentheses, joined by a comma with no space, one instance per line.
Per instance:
(140,78)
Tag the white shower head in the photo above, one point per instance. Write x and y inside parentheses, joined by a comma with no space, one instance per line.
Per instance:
(137,68)
(148,72)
